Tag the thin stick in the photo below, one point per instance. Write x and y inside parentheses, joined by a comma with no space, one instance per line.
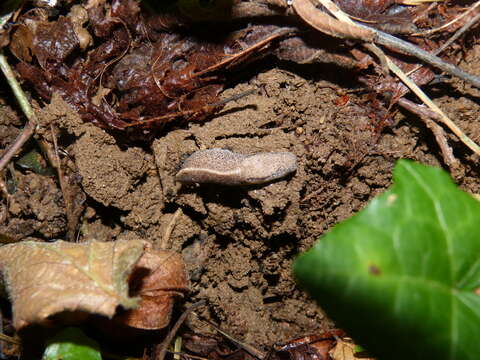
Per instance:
(177,348)
(233,57)
(248,348)
(9,339)
(169,229)
(401,45)
(397,71)
(168,339)
(327,24)
(443,118)
(427,115)
(431,31)
(452,39)
(72,218)
(235,97)
(458,33)
(31,125)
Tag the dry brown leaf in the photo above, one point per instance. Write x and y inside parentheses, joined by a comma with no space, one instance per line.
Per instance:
(158,279)
(345,351)
(22,42)
(48,278)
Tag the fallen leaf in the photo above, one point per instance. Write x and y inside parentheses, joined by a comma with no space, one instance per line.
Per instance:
(159,278)
(44,279)
(343,351)
(21,43)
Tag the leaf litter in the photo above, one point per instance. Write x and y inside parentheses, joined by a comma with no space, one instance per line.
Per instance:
(109,88)
(43,280)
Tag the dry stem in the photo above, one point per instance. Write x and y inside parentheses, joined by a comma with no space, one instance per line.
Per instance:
(316,18)
(169,229)
(29,129)
(162,349)
(427,115)
(348,29)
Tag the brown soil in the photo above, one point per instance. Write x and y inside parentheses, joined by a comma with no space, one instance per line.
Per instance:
(239,242)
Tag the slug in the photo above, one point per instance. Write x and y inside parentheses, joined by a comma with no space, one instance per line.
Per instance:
(225,167)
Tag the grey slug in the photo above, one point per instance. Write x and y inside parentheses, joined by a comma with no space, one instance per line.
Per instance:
(225,167)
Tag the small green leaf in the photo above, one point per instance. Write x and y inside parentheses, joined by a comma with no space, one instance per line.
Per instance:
(403,275)
(72,344)
(35,162)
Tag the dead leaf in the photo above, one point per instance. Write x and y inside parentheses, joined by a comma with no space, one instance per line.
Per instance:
(48,278)
(21,43)
(159,278)
(54,42)
(78,16)
(345,351)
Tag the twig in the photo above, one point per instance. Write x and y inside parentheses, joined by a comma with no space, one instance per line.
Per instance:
(431,31)
(169,229)
(235,97)
(243,53)
(177,348)
(327,24)
(168,339)
(248,348)
(452,39)
(185,113)
(427,115)
(458,33)
(312,194)
(349,27)
(9,339)
(401,45)
(54,158)
(443,118)
(31,125)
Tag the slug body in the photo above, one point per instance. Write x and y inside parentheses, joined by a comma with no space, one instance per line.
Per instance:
(225,167)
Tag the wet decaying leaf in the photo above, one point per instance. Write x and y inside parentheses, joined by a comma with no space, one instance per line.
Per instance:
(44,279)
(387,15)
(119,66)
(137,71)
(159,278)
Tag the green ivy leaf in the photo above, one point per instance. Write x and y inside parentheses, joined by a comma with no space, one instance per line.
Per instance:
(403,275)
(72,344)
